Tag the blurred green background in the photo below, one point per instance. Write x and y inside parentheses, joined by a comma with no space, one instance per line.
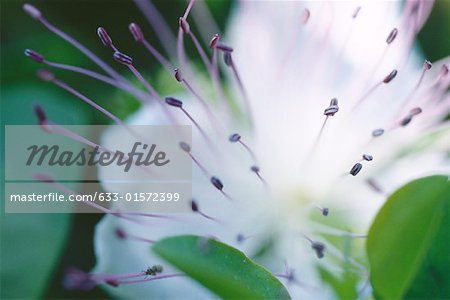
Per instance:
(36,249)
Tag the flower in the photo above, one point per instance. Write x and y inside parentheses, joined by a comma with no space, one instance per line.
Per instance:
(332,104)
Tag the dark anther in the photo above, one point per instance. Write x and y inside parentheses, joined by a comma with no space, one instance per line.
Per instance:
(173,102)
(392,35)
(367,157)
(217,183)
(235,137)
(377,132)
(355,169)
(185,147)
(391,76)
(122,58)
(319,248)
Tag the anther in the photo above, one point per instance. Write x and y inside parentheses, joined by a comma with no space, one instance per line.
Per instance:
(214,41)
(306,15)
(184,25)
(367,157)
(112,282)
(34,55)
(323,210)
(45,75)
(104,37)
(375,186)
(356,12)
(378,132)
(332,109)
(227,59)
(217,183)
(185,147)
(136,32)
(415,111)
(223,47)
(390,77)
(178,75)
(427,65)
(240,238)
(32,11)
(319,248)
(406,120)
(444,70)
(173,102)
(356,169)
(122,58)
(392,35)
(120,233)
(254,169)
(42,118)
(195,208)
(235,137)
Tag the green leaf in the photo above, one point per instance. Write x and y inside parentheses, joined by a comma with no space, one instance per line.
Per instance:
(408,243)
(31,247)
(222,269)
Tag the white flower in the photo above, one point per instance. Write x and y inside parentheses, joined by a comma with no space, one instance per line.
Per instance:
(293,58)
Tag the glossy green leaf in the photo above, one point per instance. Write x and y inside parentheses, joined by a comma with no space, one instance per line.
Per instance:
(408,244)
(224,270)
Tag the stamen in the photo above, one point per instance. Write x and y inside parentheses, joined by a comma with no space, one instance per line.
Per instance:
(385,80)
(240,238)
(214,41)
(104,37)
(136,32)
(229,62)
(35,14)
(356,12)
(390,38)
(217,183)
(49,76)
(408,118)
(224,48)
(356,169)
(160,26)
(195,208)
(255,169)
(306,16)
(392,35)
(390,77)
(179,104)
(118,84)
(122,235)
(426,66)
(375,186)
(32,11)
(180,78)
(318,247)
(378,132)
(330,111)
(123,59)
(367,157)
(37,57)
(324,210)
(185,147)
(235,137)
(139,37)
